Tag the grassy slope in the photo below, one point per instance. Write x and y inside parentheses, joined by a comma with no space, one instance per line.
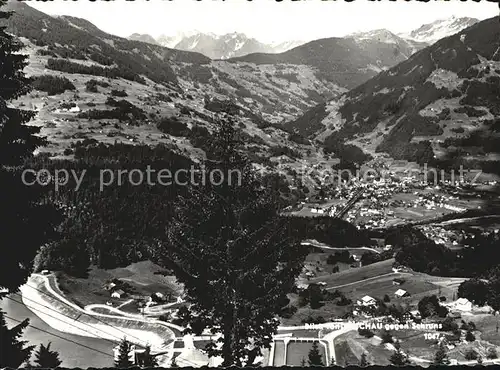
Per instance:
(141,276)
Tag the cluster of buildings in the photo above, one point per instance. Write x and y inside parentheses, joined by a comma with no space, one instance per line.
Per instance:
(443,236)
(372,210)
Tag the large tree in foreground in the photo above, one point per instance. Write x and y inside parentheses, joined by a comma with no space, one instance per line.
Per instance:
(123,359)
(25,223)
(315,358)
(46,358)
(13,351)
(235,255)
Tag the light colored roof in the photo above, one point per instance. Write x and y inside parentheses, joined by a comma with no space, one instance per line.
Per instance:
(400,292)
(463,301)
(367,298)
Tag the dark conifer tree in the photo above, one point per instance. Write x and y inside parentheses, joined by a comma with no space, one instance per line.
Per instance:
(149,359)
(46,358)
(25,223)
(314,357)
(13,352)
(441,357)
(123,360)
(235,255)
(398,358)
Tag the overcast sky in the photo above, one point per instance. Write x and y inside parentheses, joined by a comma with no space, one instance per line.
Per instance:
(266,20)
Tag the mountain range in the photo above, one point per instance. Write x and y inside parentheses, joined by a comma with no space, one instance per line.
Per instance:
(235,44)
(432,32)
(217,46)
(362,96)
(440,107)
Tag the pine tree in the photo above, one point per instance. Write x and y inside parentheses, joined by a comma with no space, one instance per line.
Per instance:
(363,362)
(123,360)
(46,358)
(315,358)
(398,358)
(13,352)
(149,360)
(470,337)
(234,253)
(303,362)
(24,222)
(441,357)
(492,353)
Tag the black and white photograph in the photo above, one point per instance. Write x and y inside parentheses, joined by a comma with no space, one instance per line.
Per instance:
(249,183)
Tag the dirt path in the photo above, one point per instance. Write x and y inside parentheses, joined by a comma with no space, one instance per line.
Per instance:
(367,279)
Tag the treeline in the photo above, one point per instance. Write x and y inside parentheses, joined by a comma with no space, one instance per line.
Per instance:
(479,258)
(117,224)
(331,231)
(91,85)
(482,292)
(172,126)
(123,111)
(72,67)
(52,84)
(114,225)
(346,152)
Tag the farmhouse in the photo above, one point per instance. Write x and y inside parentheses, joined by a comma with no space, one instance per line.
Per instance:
(118,294)
(367,301)
(461,304)
(398,281)
(400,293)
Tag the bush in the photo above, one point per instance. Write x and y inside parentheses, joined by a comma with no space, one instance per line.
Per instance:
(119,93)
(288,311)
(470,337)
(344,301)
(449,324)
(386,337)
(314,320)
(279,150)
(429,306)
(165,317)
(367,333)
(471,355)
(299,139)
(52,84)
(343,256)
(124,111)
(91,85)
(491,354)
(172,126)
(458,130)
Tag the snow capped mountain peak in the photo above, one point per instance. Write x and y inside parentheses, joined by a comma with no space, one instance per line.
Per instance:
(381,35)
(432,32)
(217,46)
